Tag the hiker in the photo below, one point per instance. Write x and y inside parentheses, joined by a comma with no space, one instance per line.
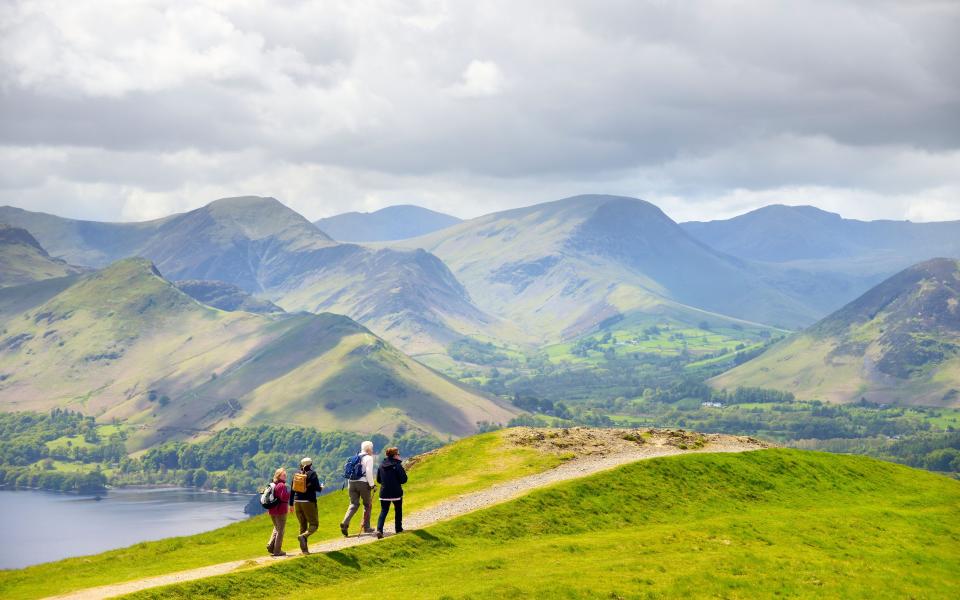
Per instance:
(305,486)
(361,485)
(278,512)
(391,476)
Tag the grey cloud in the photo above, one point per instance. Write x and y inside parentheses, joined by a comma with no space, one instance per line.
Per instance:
(648,98)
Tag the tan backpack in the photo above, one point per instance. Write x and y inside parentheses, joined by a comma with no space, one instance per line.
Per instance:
(300,482)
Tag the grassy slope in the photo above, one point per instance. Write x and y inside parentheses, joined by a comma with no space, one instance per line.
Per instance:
(23,264)
(103,344)
(761,524)
(809,367)
(464,466)
(897,343)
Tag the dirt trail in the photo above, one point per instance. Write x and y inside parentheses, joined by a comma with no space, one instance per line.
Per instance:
(593,450)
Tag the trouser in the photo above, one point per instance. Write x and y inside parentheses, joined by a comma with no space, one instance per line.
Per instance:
(276,540)
(397,514)
(307,516)
(359,490)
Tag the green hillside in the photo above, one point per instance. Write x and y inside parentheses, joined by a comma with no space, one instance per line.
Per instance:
(898,343)
(769,523)
(23,260)
(464,466)
(125,343)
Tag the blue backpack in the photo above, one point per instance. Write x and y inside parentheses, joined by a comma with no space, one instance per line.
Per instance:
(353,470)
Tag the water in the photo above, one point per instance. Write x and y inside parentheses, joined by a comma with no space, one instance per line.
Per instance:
(43,526)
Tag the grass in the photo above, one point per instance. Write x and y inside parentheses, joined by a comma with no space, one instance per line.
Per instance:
(464,466)
(634,337)
(774,523)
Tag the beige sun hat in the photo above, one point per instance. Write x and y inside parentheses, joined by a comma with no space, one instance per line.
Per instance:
(306,461)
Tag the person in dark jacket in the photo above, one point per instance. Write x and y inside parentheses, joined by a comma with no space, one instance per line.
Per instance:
(305,503)
(391,476)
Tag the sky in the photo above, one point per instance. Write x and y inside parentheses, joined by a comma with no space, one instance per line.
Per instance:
(129,110)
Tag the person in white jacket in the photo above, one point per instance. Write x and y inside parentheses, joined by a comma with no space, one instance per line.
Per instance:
(361,488)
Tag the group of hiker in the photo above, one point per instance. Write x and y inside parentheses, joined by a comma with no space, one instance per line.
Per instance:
(300,497)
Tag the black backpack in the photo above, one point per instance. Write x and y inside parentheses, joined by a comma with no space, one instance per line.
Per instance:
(353,470)
(268,498)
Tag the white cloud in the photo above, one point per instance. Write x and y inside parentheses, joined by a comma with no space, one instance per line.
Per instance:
(942,204)
(480,78)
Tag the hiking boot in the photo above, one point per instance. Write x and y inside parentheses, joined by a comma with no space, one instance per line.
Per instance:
(368,530)
(303,544)
(281,553)
(379,535)
(344,531)
(400,530)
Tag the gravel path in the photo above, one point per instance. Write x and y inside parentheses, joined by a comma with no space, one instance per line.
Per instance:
(448,509)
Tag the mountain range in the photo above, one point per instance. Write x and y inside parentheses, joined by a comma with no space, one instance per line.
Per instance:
(265,248)
(898,343)
(387,224)
(563,267)
(249,273)
(125,343)
(816,239)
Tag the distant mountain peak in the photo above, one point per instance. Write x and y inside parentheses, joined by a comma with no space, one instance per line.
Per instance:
(246,202)
(258,217)
(391,223)
(794,209)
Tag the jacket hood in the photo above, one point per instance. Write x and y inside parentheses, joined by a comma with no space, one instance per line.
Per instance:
(391,462)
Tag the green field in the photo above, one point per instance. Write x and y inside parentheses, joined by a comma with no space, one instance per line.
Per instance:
(464,466)
(662,337)
(773,523)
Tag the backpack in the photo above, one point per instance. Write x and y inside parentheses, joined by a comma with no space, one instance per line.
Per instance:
(300,482)
(268,498)
(353,470)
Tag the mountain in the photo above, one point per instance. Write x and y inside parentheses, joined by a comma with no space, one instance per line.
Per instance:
(785,234)
(387,224)
(410,297)
(561,268)
(124,342)
(898,343)
(225,296)
(265,248)
(23,259)
(86,243)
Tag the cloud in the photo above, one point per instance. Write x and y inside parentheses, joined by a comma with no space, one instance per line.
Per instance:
(121,108)
(480,78)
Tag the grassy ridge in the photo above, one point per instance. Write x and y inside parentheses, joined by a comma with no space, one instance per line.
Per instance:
(467,465)
(124,343)
(760,524)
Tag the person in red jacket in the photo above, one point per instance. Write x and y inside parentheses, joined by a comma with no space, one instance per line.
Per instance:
(278,514)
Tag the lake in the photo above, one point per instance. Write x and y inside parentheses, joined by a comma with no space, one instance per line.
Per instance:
(44,526)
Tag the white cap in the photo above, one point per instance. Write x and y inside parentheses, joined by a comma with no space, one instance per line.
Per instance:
(306,461)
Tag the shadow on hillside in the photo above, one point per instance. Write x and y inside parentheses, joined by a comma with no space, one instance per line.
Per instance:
(347,561)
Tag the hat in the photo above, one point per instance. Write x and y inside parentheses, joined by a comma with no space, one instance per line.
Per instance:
(306,461)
